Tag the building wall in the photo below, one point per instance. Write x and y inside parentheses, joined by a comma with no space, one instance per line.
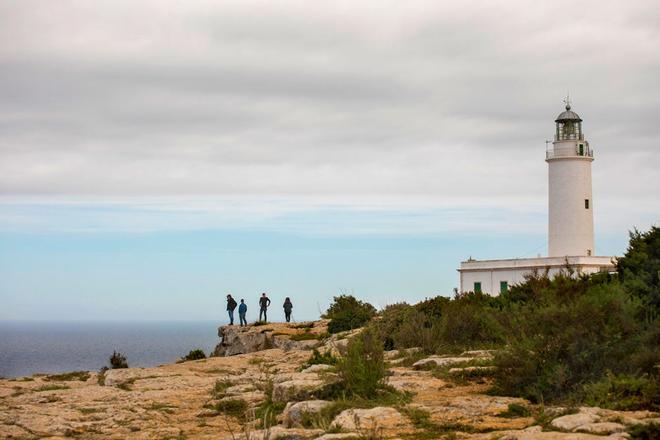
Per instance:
(491,272)
(570,224)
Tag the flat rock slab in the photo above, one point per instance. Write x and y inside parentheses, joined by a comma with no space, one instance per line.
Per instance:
(368,419)
(294,411)
(291,389)
(601,428)
(437,361)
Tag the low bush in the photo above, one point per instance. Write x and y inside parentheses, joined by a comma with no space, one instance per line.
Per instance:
(623,392)
(74,375)
(348,313)
(470,321)
(320,358)
(362,370)
(307,336)
(232,407)
(194,355)
(515,410)
(564,340)
(649,431)
(118,360)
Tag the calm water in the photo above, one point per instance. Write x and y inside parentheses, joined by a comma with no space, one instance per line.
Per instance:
(52,347)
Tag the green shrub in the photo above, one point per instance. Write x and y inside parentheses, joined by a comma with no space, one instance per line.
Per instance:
(347,313)
(624,392)
(307,336)
(649,431)
(317,358)
(390,320)
(118,360)
(639,268)
(362,370)
(74,375)
(232,407)
(432,308)
(515,410)
(470,321)
(194,355)
(564,340)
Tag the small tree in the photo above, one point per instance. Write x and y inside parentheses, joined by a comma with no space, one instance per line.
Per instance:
(118,360)
(348,313)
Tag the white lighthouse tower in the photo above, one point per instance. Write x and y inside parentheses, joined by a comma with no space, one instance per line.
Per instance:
(570,206)
(570,219)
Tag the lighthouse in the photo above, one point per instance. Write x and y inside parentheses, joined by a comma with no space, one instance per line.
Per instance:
(570,203)
(570,219)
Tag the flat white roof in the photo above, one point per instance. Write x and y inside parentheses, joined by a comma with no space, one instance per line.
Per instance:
(537,263)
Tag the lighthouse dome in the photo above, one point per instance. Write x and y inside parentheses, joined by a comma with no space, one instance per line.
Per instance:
(568,115)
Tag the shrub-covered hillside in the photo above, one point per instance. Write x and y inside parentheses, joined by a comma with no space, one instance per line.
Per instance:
(571,339)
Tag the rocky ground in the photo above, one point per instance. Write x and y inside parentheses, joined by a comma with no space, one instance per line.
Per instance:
(198,399)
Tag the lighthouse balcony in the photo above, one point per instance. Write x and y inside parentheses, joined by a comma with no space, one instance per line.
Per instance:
(570,149)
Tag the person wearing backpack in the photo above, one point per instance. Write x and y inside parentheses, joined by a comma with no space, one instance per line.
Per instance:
(231,305)
(287,309)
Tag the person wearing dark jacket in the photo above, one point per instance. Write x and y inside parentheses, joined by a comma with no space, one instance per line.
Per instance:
(242,310)
(231,305)
(287,309)
(264,302)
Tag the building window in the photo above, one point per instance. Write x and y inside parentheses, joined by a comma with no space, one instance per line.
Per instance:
(504,286)
(588,252)
(586,203)
(477,287)
(581,150)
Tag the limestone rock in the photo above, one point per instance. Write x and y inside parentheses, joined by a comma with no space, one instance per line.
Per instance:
(572,421)
(249,339)
(240,340)
(439,361)
(293,412)
(368,419)
(292,389)
(318,368)
(471,370)
(601,428)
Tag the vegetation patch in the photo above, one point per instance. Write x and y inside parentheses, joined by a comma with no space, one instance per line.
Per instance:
(91,410)
(650,431)
(74,375)
(162,407)
(52,387)
(348,313)
(514,411)
(232,407)
(194,355)
(118,360)
(318,358)
(307,336)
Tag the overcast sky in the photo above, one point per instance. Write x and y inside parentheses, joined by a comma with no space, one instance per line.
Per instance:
(308,118)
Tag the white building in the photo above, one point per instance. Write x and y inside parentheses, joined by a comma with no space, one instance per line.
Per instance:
(570,218)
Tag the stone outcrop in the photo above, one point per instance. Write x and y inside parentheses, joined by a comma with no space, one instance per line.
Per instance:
(252,338)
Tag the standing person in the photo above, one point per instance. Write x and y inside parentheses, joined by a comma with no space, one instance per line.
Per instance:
(242,310)
(287,309)
(231,305)
(264,302)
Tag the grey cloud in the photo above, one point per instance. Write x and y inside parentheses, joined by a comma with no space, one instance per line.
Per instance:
(426,99)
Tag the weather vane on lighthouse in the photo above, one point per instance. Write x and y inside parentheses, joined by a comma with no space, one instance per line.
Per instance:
(567,101)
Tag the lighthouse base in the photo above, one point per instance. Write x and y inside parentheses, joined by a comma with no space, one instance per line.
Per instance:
(496,276)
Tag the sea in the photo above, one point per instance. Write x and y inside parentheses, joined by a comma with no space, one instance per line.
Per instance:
(27,348)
